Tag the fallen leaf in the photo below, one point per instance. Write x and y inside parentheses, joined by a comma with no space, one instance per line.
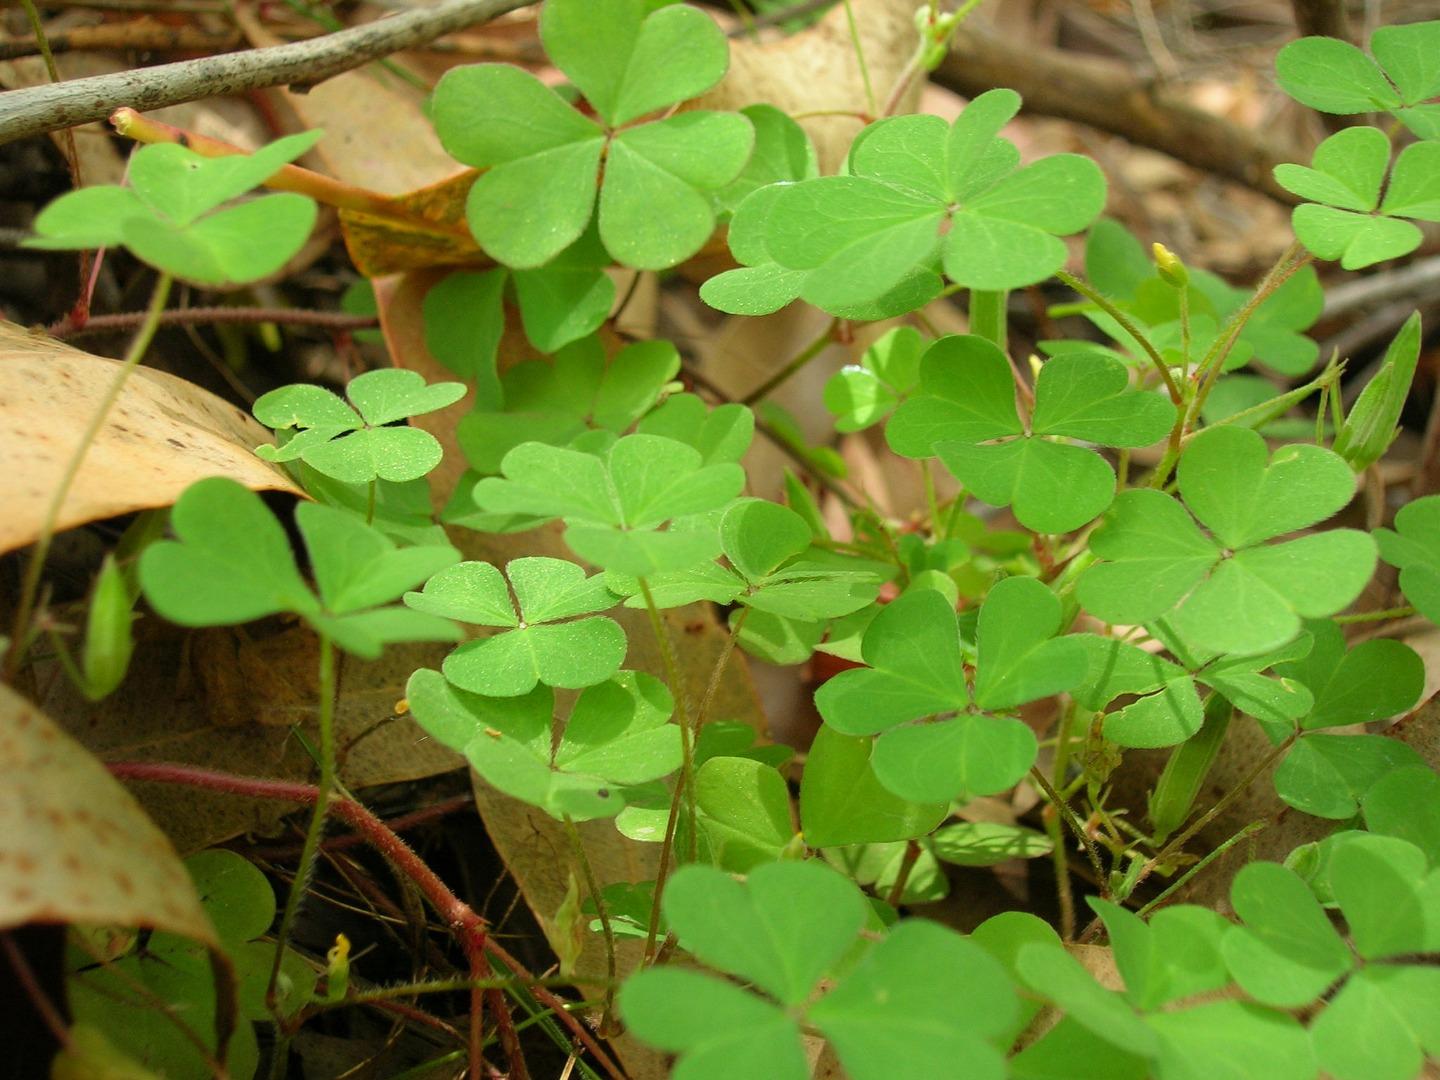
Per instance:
(75,846)
(162,435)
(231,698)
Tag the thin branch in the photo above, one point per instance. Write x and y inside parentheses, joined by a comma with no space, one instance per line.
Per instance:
(1109,96)
(41,109)
(329,320)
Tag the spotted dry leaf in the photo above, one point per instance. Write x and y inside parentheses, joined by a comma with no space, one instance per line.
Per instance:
(75,847)
(162,435)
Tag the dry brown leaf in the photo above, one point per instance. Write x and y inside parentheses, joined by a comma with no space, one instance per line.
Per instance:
(162,435)
(230,700)
(75,847)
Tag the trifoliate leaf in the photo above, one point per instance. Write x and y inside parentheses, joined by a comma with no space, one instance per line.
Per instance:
(1328,775)
(842,801)
(1414,546)
(537,645)
(618,736)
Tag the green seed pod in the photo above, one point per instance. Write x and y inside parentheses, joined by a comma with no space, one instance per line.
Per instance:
(1185,772)
(1371,426)
(109,641)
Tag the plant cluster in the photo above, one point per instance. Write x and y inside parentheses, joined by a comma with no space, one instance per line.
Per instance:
(1180,568)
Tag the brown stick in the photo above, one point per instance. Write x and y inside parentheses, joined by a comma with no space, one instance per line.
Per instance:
(143,35)
(1105,95)
(469,927)
(40,109)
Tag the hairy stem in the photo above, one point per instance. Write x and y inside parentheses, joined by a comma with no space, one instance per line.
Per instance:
(578,846)
(1076,826)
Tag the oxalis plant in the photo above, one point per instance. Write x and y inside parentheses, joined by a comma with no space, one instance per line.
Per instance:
(1182,569)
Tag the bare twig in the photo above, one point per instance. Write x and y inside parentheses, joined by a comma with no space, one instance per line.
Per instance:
(1108,96)
(40,109)
(128,320)
(143,35)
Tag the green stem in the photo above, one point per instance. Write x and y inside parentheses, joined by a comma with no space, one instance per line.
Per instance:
(989,319)
(1376,616)
(23,634)
(684,787)
(578,846)
(316,829)
(1076,826)
(860,57)
(814,349)
(370,503)
(1179,883)
(1106,305)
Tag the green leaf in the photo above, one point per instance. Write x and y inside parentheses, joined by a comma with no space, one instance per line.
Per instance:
(1054,488)
(1405,803)
(538,647)
(1408,54)
(628,64)
(1166,718)
(913,652)
(860,396)
(1069,1051)
(967,394)
(91,217)
(654,210)
(1347,170)
(720,434)
(1019,659)
(1414,546)
(1375,680)
(541,159)
(920,1001)
(959,758)
(1380,1025)
(231,564)
(1115,667)
(783,152)
(1053,973)
(1287,952)
(1356,240)
(1333,76)
(1378,883)
(464,320)
(568,298)
(1176,955)
(392,394)
(783,929)
(716,1027)
(1327,775)
(184,184)
(759,536)
(986,843)
(1155,556)
(357,567)
(842,801)
(1228,485)
(618,736)
(238,244)
(744,811)
(1088,396)
(1230,1040)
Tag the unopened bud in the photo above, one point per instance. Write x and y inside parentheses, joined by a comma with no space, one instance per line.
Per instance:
(1172,270)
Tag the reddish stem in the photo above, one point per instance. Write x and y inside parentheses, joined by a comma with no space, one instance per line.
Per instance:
(469,928)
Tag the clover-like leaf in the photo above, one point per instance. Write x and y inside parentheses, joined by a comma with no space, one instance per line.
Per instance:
(1174,955)
(1328,775)
(1381,1024)
(920,1001)
(915,673)
(358,447)
(542,157)
(173,215)
(721,434)
(232,563)
(965,412)
(862,395)
(1336,77)
(1347,220)
(617,737)
(921,192)
(613,505)
(843,802)
(542,640)
(1405,803)
(1375,680)
(576,392)
(1414,547)
(1231,594)
(1287,952)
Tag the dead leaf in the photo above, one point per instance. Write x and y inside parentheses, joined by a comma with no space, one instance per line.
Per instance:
(162,435)
(75,847)
(230,705)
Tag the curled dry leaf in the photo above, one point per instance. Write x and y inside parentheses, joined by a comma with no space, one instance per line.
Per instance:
(162,435)
(75,845)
